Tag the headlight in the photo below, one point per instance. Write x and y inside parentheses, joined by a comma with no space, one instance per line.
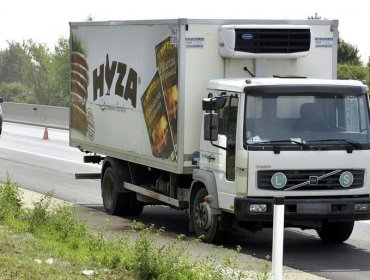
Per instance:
(258,208)
(362,207)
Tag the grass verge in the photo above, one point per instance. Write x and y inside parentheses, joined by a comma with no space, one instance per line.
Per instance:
(51,243)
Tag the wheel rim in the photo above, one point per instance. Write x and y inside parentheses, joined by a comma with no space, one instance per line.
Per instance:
(203,216)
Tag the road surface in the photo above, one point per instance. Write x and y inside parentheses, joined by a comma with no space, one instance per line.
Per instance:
(50,165)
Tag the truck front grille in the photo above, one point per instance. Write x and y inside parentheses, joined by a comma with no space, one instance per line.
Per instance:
(309,180)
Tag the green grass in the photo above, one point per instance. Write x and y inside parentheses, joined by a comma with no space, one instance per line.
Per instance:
(44,232)
(18,253)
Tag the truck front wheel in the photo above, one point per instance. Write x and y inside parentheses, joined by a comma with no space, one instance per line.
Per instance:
(335,232)
(205,224)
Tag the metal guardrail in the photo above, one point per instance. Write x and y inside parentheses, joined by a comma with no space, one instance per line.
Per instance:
(40,115)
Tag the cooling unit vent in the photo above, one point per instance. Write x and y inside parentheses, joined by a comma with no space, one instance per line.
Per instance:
(267,41)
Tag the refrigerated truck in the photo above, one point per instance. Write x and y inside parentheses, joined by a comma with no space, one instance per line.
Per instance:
(219,117)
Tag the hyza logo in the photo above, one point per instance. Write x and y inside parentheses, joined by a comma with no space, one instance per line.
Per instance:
(125,86)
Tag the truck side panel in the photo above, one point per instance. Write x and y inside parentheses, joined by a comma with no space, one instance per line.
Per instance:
(124,86)
(203,63)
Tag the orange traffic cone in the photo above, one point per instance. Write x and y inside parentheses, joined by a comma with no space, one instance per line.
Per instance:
(46,134)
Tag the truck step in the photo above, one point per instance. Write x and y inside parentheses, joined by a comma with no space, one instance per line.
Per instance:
(158,196)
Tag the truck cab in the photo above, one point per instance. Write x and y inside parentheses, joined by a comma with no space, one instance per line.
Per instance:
(307,140)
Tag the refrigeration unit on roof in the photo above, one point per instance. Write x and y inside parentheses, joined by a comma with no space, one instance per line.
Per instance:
(264,41)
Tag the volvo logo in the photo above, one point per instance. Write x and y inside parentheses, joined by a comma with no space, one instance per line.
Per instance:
(313,180)
(247,36)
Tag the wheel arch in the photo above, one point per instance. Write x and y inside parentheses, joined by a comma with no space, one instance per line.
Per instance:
(206,180)
(202,178)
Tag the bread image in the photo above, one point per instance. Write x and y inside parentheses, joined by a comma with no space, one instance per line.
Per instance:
(156,119)
(79,84)
(79,59)
(78,77)
(171,97)
(167,63)
(78,114)
(78,88)
(160,135)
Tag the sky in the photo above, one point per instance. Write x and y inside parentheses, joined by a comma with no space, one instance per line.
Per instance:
(47,21)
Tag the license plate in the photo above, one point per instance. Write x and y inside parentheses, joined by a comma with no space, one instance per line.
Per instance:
(313,208)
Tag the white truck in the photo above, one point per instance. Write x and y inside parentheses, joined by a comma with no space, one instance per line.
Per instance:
(219,117)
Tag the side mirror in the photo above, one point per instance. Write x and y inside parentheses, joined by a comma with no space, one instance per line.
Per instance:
(214,103)
(210,127)
(1,100)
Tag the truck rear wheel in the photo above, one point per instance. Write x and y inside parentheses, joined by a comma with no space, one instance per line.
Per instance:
(115,203)
(118,203)
(205,224)
(335,232)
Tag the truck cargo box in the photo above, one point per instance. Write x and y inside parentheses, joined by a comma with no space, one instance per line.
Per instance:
(136,86)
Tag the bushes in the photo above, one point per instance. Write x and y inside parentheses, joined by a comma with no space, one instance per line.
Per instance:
(10,201)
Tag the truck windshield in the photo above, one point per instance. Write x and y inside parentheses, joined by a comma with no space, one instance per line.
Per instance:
(306,118)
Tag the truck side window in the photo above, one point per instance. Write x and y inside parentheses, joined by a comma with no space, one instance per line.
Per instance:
(227,127)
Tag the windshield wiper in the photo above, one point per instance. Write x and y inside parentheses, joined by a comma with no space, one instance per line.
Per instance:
(348,141)
(276,148)
(349,149)
(284,141)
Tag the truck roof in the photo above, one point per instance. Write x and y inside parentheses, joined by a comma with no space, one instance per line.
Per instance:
(184,21)
(238,84)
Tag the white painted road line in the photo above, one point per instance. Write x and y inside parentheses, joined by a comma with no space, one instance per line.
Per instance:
(45,156)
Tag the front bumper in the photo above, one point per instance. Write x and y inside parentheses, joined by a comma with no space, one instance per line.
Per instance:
(303,209)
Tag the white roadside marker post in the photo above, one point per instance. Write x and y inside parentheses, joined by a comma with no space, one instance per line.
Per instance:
(278,238)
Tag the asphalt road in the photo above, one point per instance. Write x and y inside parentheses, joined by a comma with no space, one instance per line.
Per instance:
(49,165)
(46,165)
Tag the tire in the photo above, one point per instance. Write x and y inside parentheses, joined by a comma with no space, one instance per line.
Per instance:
(115,203)
(118,203)
(335,232)
(205,224)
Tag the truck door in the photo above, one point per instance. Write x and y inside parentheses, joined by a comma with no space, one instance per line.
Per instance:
(228,122)
(222,161)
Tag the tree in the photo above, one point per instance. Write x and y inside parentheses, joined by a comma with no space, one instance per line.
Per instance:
(348,54)
(30,73)
(36,67)
(354,72)
(60,73)
(10,63)
(13,92)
